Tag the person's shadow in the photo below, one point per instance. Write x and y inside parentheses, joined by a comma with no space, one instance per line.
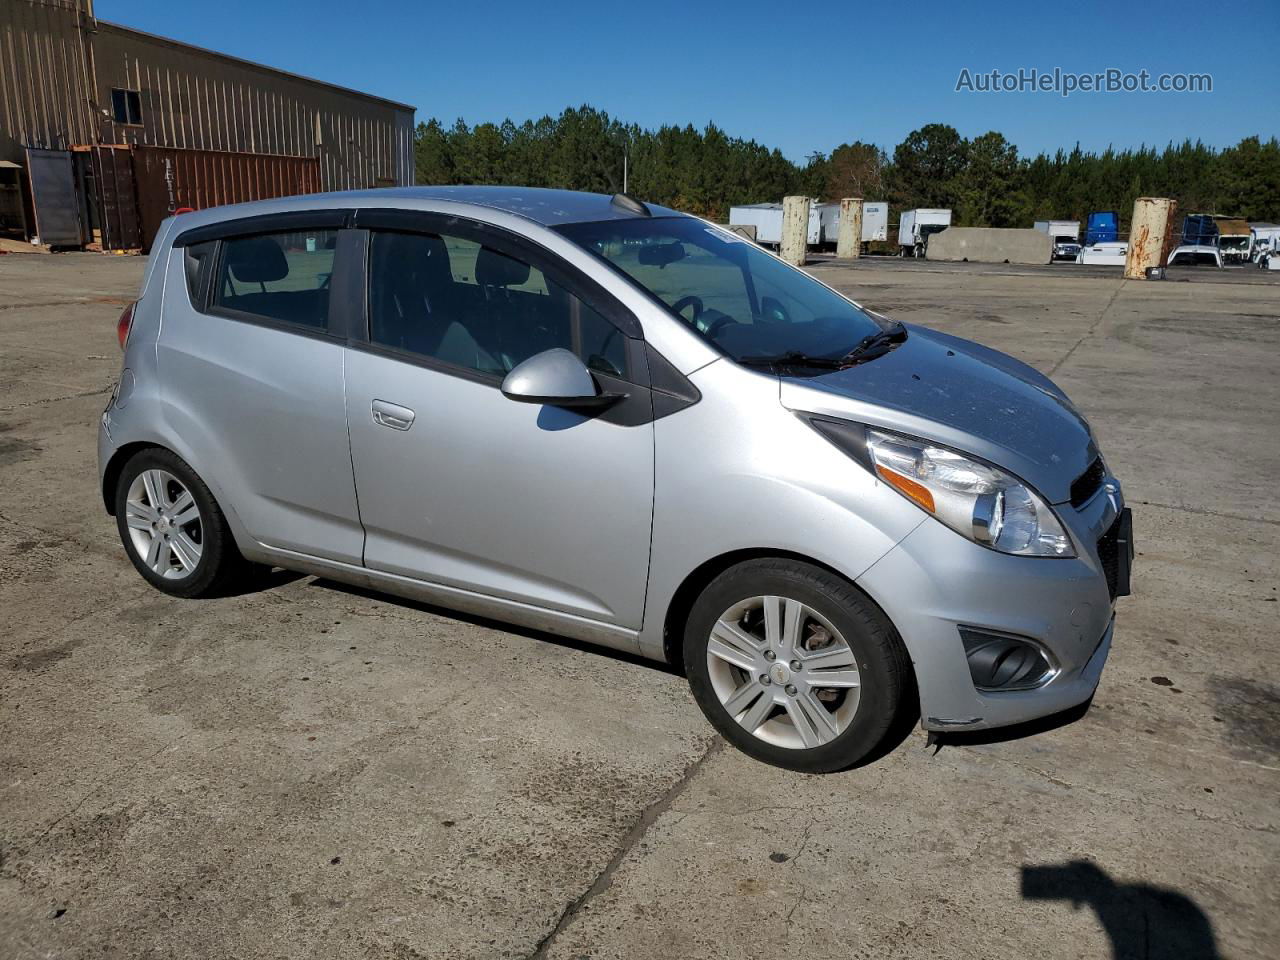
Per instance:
(1152,923)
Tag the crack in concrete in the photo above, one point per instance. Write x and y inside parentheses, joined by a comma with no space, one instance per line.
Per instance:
(70,396)
(1208,513)
(804,839)
(799,900)
(100,785)
(646,819)
(1102,794)
(1088,333)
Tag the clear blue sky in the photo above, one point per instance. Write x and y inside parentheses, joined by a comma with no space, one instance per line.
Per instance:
(797,76)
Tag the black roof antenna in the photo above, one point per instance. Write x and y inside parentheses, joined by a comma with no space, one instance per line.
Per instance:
(630,204)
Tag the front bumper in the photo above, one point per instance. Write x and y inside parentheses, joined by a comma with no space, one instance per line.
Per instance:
(935,581)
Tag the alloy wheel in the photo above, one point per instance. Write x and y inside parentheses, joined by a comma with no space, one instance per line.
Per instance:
(783,672)
(164,524)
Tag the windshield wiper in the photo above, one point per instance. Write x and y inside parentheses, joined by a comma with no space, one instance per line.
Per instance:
(868,348)
(874,345)
(794,358)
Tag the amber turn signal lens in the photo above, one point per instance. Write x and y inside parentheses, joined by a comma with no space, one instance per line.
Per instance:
(908,487)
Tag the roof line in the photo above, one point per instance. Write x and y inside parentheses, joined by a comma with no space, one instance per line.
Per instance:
(258,66)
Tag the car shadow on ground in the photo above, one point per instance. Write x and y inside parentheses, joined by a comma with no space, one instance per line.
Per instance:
(479,621)
(1142,921)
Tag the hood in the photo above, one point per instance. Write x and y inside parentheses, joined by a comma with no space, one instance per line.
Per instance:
(964,395)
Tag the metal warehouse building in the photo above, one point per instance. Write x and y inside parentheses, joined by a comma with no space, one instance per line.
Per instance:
(105,130)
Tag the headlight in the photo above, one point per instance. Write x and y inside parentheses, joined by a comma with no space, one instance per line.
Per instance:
(973,498)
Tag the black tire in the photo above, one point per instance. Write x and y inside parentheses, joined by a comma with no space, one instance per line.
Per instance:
(221,564)
(882,660)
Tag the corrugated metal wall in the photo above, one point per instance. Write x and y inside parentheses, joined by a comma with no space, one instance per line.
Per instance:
(44,77)
(50,51)
(194,99)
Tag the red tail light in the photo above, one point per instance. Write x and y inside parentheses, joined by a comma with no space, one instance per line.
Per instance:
(124,323)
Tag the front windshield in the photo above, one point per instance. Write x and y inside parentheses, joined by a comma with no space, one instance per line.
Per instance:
(749,304)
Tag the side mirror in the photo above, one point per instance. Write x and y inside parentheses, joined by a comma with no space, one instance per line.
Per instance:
(555,377)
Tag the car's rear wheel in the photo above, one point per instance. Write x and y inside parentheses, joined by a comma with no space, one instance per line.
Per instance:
(172,528)
(794,665)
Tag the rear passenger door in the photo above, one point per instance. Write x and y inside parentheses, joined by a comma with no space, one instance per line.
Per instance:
(463,487)
(251,354)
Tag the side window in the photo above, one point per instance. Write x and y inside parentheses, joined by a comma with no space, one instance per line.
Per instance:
(278,276)
(472,306)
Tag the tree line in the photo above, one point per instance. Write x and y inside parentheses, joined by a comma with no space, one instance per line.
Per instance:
(983,179)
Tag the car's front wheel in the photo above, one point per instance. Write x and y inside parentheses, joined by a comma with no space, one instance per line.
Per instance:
(794,665)
(172,528)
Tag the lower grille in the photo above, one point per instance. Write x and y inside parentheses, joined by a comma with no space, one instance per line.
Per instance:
(1114,555)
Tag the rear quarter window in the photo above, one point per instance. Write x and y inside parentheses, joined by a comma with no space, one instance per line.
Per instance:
(197,262)
(281,277)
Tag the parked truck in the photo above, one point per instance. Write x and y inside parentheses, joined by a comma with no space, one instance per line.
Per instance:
(1065,235)
(1102,226)
(1264,241)
(1209,238)
(916,226)
(1233,239)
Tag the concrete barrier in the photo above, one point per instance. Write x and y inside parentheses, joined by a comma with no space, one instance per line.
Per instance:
(745,230)
(990,245)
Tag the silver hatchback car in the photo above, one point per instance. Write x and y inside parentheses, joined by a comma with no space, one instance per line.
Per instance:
(615,422)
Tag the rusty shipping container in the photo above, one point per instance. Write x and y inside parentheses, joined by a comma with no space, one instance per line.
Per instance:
(169,179)
(113,200)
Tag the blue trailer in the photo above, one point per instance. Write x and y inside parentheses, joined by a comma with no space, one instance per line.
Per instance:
(1103,226)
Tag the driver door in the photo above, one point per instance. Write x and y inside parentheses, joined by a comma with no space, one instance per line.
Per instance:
(459,485)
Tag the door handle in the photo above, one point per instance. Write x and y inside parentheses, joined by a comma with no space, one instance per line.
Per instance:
(392,415)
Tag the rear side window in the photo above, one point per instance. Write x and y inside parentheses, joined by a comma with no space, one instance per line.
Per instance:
(282,277)
(475,307)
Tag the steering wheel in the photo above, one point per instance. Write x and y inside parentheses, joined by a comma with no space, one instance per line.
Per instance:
(689,300)
(718,324)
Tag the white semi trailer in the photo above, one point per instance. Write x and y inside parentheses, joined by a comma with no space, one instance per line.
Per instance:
(875,222)
(767,219)
(915,226)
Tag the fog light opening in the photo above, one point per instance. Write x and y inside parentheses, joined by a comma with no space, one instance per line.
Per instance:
(1001,662)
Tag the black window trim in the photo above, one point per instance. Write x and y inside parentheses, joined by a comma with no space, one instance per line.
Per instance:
(287,221)
(574,281)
